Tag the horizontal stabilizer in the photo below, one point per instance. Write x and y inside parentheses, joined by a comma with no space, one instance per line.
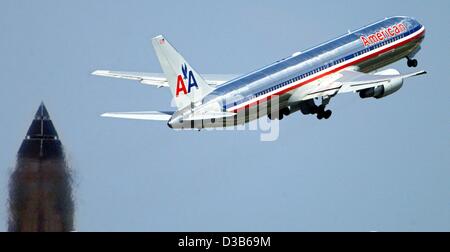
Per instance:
(144,115)
(159,79)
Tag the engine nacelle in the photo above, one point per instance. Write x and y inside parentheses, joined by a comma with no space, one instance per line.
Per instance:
(382,91)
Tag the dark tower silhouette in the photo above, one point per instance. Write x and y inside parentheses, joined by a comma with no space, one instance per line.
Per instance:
(40,196)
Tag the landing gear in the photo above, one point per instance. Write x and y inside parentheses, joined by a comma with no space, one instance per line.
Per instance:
(309,107)
(411,62)
(285,111)
(322,113)
(281,114)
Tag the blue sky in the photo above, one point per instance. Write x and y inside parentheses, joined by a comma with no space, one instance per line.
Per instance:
(375,165)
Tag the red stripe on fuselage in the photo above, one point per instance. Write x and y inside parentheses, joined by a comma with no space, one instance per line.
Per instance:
(373,55)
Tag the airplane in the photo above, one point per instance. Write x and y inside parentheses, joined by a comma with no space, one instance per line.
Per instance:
(349,63)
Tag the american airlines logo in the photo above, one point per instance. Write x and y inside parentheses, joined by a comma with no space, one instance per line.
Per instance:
(181,80)
(383,34)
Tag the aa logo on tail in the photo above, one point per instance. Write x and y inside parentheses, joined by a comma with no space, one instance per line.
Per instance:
(181,80)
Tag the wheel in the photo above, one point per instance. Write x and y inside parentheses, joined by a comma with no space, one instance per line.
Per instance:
(319,116)
(280,116)
(320,109)
(412,63)
(270,116)
(327,114)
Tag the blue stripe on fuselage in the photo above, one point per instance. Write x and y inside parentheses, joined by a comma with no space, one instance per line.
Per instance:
(321,68)
(305,57)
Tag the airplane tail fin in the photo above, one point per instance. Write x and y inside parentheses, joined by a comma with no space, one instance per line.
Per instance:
(186,85)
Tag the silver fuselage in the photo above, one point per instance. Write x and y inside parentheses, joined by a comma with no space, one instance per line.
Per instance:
(303,71)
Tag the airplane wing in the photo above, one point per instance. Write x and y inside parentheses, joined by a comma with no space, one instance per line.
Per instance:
(143,115)
(158,79)
(353,81)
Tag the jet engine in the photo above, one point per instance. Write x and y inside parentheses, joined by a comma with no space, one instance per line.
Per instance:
(383,90)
